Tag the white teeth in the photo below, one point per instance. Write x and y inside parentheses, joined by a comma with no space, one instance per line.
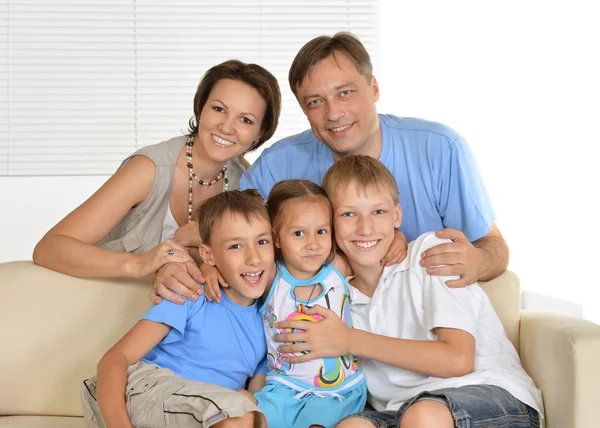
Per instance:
(365,244)
(252,274)
(222,141)
(252,277)
(341,128)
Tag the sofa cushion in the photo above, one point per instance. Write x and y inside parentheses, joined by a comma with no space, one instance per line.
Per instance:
(505,294)
(41,422)
(54,329)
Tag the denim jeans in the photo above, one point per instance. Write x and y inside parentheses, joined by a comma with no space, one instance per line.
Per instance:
(473,406)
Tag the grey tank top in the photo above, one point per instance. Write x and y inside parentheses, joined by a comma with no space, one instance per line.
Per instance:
(140,230)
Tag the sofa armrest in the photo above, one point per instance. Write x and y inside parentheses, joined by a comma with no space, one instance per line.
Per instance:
(562,355)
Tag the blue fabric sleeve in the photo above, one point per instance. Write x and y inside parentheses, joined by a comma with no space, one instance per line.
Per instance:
(259,177)
(175,316)
(464,203)
(262,367)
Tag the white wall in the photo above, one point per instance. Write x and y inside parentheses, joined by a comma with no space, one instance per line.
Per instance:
(29,206)
(518,79)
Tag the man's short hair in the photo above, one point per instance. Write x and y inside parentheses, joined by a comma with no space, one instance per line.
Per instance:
(248,203)
(365,170)
(322,47)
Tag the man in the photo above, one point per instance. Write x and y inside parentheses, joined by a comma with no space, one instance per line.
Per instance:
(439,183)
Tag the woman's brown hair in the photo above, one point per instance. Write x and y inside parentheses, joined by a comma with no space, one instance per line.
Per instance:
(252,74)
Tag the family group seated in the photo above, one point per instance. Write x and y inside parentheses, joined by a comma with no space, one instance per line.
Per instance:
(332,283)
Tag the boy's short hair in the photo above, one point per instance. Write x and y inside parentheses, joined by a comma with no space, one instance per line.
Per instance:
(365,170)
(323,47)
(248,203)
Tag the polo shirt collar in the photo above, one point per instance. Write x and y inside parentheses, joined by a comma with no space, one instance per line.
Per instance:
(358,298)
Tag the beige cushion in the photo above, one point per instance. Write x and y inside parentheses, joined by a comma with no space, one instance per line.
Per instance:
(562,355)
(504,293)
(41,422)
(56,329)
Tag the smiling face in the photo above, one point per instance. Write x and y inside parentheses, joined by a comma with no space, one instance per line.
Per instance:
(339,103)
(230,120)
(303,235)
(243,252)
(365,220)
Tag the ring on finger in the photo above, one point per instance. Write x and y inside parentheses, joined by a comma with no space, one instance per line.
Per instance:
(171,251)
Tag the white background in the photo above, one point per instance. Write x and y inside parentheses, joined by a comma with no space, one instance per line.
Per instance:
(518,79)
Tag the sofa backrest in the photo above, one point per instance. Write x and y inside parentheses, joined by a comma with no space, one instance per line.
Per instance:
(505,294)
(55,328)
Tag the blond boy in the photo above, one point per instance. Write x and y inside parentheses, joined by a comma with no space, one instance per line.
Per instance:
(433,356)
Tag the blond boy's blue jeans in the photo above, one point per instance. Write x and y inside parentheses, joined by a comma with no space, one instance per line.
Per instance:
(473,406)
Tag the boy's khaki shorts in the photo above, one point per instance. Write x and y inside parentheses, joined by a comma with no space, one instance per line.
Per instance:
(156,397)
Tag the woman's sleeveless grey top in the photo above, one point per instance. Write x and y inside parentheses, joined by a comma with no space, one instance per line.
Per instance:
(141,228)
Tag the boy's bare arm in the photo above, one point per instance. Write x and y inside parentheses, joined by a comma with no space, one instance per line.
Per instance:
(112,369)
(257,382)
(453,354)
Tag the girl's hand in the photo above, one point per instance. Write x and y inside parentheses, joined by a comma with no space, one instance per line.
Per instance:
(213,278)
(160,255)
(328,338)
(397,251)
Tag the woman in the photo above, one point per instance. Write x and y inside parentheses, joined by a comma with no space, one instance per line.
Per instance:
(126,228)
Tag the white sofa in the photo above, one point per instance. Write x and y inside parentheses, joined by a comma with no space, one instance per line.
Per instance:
(55,328)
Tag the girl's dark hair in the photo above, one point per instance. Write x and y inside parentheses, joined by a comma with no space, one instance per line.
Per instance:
(287,190)
(252,74)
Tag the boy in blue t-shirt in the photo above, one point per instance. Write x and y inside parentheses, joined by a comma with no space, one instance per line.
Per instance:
(187,365)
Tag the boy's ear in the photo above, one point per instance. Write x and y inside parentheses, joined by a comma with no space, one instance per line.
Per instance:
(207,255)
(276,240)
(397,216)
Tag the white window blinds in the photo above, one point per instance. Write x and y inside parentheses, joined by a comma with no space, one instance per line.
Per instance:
(84,83)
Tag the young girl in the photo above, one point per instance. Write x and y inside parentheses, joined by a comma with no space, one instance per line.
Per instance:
(320,392)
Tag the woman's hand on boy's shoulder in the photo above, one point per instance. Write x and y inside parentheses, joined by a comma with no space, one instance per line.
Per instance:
(181,278)
(397,251)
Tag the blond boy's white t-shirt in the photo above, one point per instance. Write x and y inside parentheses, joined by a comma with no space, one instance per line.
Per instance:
(409,304)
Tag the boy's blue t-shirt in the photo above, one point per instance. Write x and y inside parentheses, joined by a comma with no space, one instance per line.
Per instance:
(219,343)
(438,180)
